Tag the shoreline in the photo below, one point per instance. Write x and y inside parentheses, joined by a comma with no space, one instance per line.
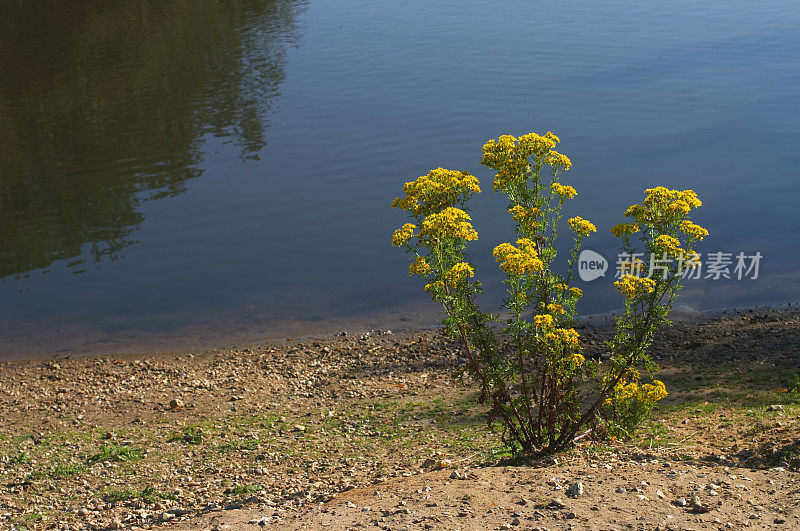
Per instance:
(273,430)
(397,321)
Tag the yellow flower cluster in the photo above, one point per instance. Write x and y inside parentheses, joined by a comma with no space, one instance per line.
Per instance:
(419,267)
(436,190)
(524,215)
(563,190)
(555,309)
(578,359)
(581,226)
(632,286)
(449,223)
(640,213)
(509,156)
(434,285)
(652,392)
(558,160)
(626,391)
(459,272)
(693,230)
(533,144)
(403,234)
(575,292)
(667,244)
(660,195)
(662,201)
(518,260)
(624,229)
(543,320)
(678,207)
(566,336)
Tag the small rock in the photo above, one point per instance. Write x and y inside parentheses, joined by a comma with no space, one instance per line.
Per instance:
(176,403)
(556,502)
(697,505)
(681,502)
(576,489)
(83,511)
(775,407)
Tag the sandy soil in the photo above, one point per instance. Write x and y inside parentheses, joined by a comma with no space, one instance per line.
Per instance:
(372,430)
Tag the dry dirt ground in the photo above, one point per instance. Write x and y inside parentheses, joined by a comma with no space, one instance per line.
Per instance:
(373,431)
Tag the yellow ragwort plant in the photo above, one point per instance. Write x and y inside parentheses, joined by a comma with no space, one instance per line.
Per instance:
(543,392)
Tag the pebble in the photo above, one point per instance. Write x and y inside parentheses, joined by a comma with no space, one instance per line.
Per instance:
(556,502)
(576,489)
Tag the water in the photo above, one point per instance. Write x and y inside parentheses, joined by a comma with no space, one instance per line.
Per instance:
(185,174)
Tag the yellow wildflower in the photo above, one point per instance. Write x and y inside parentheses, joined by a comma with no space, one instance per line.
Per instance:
(667,244)
(678,207)
(624,229)
(576,292)
(563,190)
(558,160)
(459,272)
(671,201)
(543,321)
(438,189)
(518,260)
(403,234)
(419,267)
(555,309)
(694,231)
(533,144)
(581,226)
(640,213)
(652,392)
(434,285)
(523,214)
(449,223)
(632,286)
(578,359)
(566,336)
(552,137)
(691,198)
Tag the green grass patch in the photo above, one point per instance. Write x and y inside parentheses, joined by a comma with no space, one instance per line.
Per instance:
(65,470)
(235,446)
(238,490)
(147,494)
(114,453)
(19,459)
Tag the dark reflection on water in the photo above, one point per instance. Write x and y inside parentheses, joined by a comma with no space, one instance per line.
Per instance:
(105,104)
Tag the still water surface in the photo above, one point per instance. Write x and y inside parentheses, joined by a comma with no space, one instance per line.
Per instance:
(180,174)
